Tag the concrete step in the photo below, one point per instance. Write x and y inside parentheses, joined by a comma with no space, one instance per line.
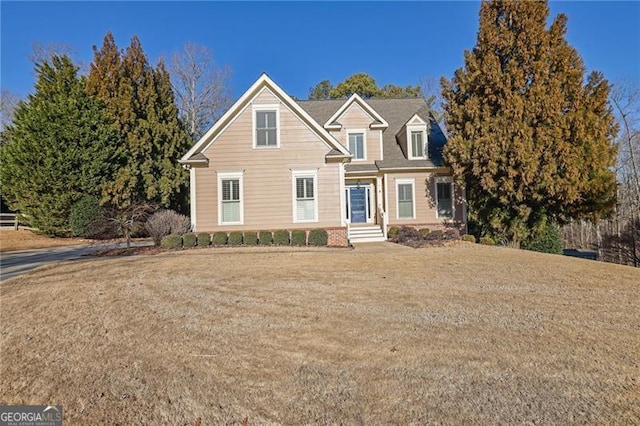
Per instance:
(366,234)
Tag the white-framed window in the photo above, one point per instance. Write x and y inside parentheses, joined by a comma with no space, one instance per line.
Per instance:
(266,126)
(305,196)
(445,207)
(406,195)
(230,199)
(417,142)
(357,144)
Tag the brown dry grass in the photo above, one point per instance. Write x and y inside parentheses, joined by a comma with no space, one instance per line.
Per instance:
(382,334)
(23,239)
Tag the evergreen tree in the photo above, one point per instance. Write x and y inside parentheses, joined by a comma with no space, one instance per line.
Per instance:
(60,146)
(365,86)
(141,102)
(530,141)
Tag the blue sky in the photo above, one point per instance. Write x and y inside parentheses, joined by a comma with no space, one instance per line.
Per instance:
(300,43)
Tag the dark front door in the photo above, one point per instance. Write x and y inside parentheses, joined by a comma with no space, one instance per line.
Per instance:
(358,203)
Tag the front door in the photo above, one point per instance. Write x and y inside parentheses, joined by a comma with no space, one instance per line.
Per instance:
(358,202)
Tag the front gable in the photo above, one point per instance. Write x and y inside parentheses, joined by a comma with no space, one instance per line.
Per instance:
(355,101)
(263,92)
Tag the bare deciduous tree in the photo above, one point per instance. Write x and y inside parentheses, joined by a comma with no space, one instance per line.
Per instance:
(433,95)
(201,87)
(8,103)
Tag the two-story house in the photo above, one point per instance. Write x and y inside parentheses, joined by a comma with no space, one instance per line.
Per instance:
(354,167)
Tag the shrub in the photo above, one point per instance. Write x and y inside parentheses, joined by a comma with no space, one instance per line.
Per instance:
(407,233)
(235,238)
(435,235)
(424,231)
(173,241)
(86,217)
(546,240)
(393,232)
(451,234)
(165,222)
(487,241)
(219,239)
(189,240)
(251,238)
(298,237)
(204,239)
(265,238)
(318,237)
(281,237)
(469,238)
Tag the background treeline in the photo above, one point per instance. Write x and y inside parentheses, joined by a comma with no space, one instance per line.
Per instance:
(108,141)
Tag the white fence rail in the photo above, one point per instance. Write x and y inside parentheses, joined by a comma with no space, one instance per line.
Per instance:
(9,219)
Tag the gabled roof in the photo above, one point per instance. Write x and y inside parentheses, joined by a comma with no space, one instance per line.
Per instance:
(194,155)
(396,112)
(379,122)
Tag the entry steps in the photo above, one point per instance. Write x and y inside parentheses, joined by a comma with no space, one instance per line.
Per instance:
(365,234)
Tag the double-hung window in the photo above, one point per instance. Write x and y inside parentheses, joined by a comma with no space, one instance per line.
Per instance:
(266,132)
(417,141)
(357,145)
(405,194)
(305,197)
(230,196)
(417,144)
(444,198)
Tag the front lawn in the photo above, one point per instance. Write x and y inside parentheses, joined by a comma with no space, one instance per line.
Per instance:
(463,334)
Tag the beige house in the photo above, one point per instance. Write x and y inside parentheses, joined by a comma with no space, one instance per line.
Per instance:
(354,167)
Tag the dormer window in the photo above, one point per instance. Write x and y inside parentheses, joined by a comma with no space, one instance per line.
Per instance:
(417,142)
(266,129)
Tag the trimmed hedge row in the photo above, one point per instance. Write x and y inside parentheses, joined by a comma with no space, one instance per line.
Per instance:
(297,237)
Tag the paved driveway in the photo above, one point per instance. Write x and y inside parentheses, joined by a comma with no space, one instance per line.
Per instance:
(18,262)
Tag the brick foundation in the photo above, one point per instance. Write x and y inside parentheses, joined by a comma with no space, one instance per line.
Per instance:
(338,237)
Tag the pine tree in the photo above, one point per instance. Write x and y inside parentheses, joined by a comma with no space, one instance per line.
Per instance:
(141,101)
(60,146)
(530,141)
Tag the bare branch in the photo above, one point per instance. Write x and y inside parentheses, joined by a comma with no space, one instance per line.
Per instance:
(201,87)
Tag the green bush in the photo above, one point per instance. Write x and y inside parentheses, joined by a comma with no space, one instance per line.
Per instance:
(251,238)
(451,234)
(469,238)
(424,231)
(298,237)
(487,241)
(173,241)
(235,238)
(189,240)
(204,239)
(435,235)
(546,240)
(265,238)
(219,239)
(318,237)
(86,217)
(393,232)
(281,237)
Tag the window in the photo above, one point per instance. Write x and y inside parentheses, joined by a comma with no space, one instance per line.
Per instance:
(417,141)
(405,196)
(265,119)
(417,145)
(357,145)
(305,200)
(444,199)
(230,196)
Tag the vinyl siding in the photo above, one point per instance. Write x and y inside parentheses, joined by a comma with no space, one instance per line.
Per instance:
(267,173)
(356,118)
(424,187)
